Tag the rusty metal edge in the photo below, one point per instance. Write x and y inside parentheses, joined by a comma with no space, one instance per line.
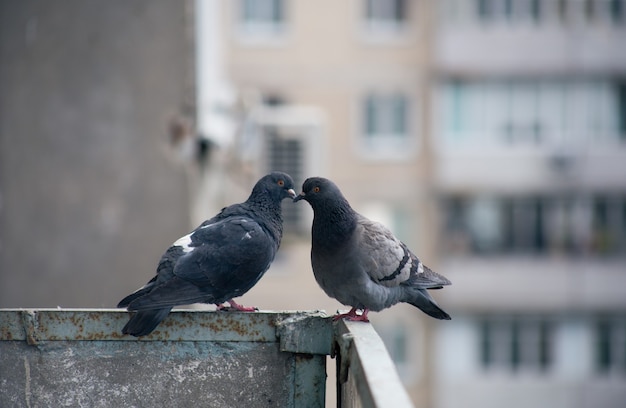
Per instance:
(39,325)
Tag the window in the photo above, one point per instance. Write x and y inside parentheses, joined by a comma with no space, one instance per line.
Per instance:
(385,123)
(484,9)
(533,113)
(598,12)
(562,10)
(589,10)
(486,225)
(525,231)
(286,154)
(522,123)
(621,110)
(385,16)
(264,18)
(609,232)
(610,346)
(516,344)
(484,219)
(508,11)
(617,11)
(537,225)
(456,237)
(535,10)
(515,13)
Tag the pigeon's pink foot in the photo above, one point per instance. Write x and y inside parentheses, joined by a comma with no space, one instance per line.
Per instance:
(236,306)
(353,316)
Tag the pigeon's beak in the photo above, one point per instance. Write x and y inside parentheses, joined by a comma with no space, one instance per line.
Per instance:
(299,197)
(292,193)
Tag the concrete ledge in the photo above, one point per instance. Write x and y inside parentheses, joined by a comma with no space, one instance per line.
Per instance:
(78,357)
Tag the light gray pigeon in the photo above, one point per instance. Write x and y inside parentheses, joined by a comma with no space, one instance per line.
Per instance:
(360,262)
(221,259)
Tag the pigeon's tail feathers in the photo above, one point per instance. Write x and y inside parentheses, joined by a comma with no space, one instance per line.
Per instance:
(137,294)
(428,279)
(144,322)
(172,293)
(424,302)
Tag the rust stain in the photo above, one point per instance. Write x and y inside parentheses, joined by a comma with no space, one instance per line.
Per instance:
(304,357)
(91,325)
(6,334)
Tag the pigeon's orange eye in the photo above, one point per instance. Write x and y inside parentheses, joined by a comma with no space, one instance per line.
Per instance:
(316,189)
(281,183)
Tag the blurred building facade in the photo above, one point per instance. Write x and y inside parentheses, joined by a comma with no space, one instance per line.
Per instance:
(529,106)
(490,136)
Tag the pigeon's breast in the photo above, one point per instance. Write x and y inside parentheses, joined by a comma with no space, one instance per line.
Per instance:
(340,274)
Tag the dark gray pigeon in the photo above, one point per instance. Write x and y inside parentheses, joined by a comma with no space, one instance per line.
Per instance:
(221,259)
(360,262)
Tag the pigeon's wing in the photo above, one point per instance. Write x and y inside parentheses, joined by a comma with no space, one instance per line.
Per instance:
(426,278)
(228,255)
(222,260)
(388,261)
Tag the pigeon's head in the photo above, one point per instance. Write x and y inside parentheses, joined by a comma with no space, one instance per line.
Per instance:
(278,184)
(317,190)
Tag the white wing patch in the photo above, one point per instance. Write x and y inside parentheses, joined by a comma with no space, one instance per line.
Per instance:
(420,267)
(184,243)
(246,236)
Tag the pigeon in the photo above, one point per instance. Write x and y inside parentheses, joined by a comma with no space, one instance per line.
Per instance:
(221,259)
(360,262)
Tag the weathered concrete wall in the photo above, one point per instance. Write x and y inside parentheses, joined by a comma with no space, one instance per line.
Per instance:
(78,357)
(58,358)
(87,200)
(147,374)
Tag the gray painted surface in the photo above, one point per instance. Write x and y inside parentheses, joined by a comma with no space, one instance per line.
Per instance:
(63,357)
(366,375)
(72,357)
(146,374)
(87,200)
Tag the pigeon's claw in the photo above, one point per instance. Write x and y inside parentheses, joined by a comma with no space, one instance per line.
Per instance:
(236,306)
(353,316)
